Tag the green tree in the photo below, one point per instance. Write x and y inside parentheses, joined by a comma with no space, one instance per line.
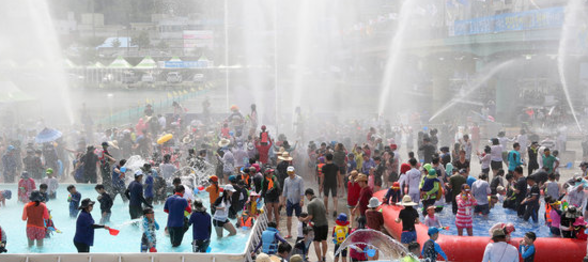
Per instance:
(115,43)
(142,40)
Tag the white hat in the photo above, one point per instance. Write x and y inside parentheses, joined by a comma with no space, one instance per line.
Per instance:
(407,201)
(138,173)
(229,188)
(374,202)
(290,169)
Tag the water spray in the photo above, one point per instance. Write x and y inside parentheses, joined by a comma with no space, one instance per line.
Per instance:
(574,12)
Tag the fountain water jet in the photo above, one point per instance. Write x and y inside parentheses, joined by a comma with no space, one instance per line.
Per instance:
(477,84)
(394,53)
(574,12)
(29,37)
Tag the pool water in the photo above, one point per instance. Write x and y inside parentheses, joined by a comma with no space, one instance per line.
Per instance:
(128,240)
(498,214)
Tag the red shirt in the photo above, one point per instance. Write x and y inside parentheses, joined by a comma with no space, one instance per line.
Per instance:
(353,190)
(263,152)
(364,199)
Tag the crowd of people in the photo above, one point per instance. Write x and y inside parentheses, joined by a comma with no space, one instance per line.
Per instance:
(248,171)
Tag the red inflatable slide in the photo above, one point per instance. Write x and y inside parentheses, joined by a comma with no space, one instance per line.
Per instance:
(466,248)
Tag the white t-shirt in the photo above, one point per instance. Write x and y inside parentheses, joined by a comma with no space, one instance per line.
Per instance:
(413,178)
(500,252)
(299,229)
(222,215)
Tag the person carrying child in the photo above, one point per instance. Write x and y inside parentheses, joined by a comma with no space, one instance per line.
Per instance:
(527,248)
(149,225)
(74,199)
(340,233)
(431,249)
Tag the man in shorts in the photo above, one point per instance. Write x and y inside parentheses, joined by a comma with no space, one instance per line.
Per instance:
(317,213)
(292,196)
(331,183)
(481,190)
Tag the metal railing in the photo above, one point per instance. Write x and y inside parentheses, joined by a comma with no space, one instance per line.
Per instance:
(254,238)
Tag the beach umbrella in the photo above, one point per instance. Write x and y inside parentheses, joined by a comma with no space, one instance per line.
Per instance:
(47,135)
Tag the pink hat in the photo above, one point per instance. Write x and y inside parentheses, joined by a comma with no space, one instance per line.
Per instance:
(580,222)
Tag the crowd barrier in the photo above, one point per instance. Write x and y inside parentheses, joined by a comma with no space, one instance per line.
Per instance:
(252,242)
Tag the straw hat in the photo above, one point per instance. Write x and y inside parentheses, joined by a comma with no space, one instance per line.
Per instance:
(407,201)
(281,151)
(285,157)
(224,142)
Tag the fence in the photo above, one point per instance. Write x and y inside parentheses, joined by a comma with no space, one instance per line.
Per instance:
(132,114)
(252,242)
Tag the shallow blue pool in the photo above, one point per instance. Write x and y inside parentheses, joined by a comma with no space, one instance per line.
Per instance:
(497,215)
(129,239)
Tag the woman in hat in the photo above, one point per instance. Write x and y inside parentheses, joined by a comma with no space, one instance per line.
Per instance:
(35,213)
(84,236)
(409,217)
(220,220)
(464,217)
(500,250)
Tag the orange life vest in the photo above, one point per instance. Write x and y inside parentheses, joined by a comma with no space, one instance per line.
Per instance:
(246,223)
(548,213)
(320,168)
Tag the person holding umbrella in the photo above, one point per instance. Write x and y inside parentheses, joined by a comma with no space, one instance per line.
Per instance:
(84,237)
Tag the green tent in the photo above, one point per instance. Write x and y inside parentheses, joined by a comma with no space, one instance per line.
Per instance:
(120,63)
(97,65)
(10,93)
(146,63)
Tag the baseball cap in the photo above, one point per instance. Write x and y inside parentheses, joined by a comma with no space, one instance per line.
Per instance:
(290,169)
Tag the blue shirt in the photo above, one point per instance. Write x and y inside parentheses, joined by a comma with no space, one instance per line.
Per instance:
(116,181)
(74,203)
(175,206)
(149,187)
(514,160)
(201,225)
(436,247)
(135,193)
(85,229)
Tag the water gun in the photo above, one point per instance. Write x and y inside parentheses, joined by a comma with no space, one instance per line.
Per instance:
(564,205)
(69,198)
(153,250)
(54,230)
(443,228)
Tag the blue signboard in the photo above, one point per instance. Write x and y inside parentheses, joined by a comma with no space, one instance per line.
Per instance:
(187,64)
(535,19)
